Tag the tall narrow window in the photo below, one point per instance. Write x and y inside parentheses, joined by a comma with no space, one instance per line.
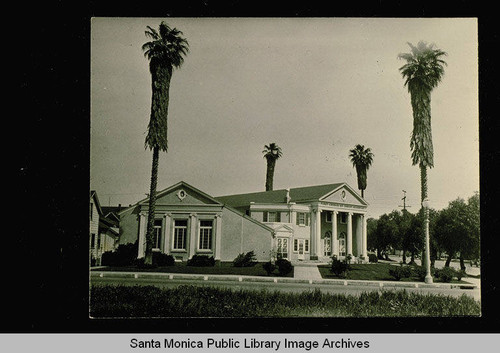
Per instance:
(180,230)
(343,218)
(328,217)
(306,245)
(92,241)
(157,234)
(206,231)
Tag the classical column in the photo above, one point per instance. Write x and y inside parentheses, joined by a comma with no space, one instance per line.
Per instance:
(359,235)
(349,234)
(365,240)
(142,235)
(218,236)
(192,235)
(318,233)
(335,242)
(166,232)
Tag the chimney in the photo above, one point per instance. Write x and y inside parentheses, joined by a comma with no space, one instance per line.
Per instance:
(288,195)
(119,207)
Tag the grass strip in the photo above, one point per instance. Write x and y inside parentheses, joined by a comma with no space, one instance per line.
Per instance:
(194,301)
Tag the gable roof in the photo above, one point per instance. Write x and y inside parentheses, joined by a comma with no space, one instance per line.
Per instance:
(169,189)
(279,196)
(93,195)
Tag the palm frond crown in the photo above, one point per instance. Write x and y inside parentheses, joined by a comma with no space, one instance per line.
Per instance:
(272,151)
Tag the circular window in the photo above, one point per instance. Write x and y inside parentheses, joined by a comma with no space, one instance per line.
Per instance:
(343,195)
(181,194)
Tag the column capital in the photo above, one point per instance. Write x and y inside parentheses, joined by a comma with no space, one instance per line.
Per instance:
(143,214)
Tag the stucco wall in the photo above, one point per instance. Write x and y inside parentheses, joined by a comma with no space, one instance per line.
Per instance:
(240,235)
(129,226)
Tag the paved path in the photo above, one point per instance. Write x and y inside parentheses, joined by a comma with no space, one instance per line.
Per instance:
(306,272)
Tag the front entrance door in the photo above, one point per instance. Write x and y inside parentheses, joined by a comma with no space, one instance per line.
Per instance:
(301,249)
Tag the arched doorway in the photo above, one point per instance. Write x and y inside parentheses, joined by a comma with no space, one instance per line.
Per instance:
(342,240)
(327,244)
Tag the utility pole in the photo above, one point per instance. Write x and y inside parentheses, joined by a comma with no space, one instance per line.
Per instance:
(404,201)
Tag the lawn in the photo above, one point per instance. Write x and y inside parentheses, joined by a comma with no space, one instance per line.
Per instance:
(220,268)
(371,272)
(193,301)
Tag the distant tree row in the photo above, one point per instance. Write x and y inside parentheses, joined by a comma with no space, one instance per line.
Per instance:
(454,231)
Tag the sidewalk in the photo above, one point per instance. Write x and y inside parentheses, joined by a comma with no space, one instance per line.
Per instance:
(301,277)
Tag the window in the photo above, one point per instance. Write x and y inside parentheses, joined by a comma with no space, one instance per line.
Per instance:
(306,245)
(157,234)
(282,251)
(206,230)
(272,217)
(343,218)
(91,210)
(92,240)
(295,245)
(329,217)
(302,219)
(180,230)
(98,241)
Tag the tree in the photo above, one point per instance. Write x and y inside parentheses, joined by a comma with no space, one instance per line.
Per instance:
(386,234)
(165,51)
(272,153)
(422,72)
(404,227)
(361,159)
(457,229)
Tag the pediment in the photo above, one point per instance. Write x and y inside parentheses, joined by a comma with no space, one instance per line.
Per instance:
(183,193)
(344,195)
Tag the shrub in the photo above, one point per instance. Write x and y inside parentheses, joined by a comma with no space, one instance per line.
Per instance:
(161,259)
(107,259)
(269,267)
(339,268)
(201,261)
(420,272)
(460,274)
(245,260)
(139,263)
(446,274)
(284,266)
(399,272)
(372,258)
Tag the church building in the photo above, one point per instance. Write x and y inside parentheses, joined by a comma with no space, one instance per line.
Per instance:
(299,224)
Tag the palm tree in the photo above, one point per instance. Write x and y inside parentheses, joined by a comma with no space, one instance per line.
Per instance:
(272,153)
(165,51)
(422,72)
(361,159)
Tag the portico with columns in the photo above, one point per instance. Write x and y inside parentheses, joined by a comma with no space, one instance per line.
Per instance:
(325,220)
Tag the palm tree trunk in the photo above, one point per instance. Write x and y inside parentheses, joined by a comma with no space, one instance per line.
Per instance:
(270,174)
(362,193)
(148,257)
(423,196)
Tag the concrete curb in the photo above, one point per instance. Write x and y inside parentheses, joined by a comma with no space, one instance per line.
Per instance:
(237,278)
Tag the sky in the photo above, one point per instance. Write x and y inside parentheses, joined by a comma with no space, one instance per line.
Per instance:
(315,86)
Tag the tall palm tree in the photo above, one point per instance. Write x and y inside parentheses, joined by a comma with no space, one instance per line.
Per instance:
(422,72)
(361,159)
(272,153)
(165,51)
